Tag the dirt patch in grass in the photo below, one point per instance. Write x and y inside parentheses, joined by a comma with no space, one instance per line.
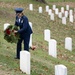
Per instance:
(4,72)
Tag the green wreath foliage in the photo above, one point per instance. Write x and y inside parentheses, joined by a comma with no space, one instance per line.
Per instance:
(9,34)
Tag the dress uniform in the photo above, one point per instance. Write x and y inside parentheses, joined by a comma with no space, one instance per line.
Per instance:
(25,31)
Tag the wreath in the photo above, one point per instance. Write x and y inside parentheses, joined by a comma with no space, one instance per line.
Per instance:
(9,34)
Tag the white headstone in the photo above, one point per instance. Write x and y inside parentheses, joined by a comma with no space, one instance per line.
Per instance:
(50,11)
(64,20)
(52,16)
(62,9)
(70,12)
(67,7)
(31,7)
(47,8)
(66,14)
(60,70)
(6,25)
(68,43)
(60,14)
(47,35)
(25,62)
(56,11)
(53,48)
(54,7)
(40,9)
(30,43)
(71,18)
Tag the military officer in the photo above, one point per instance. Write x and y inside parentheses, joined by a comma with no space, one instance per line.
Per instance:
(25,31)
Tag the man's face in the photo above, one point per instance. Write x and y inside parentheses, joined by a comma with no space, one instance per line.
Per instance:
(19,14)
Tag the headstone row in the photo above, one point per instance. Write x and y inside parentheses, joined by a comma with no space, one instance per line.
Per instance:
(59,69)
(62,14)
(25,55)
(52,43)
(25,64)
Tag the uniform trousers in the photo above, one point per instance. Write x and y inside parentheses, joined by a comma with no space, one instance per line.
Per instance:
(25,40)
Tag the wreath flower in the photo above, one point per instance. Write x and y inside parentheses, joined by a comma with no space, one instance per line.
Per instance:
(9,34)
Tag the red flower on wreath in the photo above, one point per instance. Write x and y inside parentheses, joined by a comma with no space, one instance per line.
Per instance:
(13,32)
(13,38)
(8,31)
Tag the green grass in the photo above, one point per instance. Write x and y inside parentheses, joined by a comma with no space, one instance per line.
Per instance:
(41,62)
(60,0)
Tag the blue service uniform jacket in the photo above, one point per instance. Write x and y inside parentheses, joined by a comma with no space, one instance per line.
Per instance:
(25,28)
(24,31)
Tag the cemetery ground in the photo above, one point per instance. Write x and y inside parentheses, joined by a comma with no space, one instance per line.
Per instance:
(41,62)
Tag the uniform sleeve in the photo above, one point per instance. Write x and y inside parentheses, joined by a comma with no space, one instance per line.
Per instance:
(16,21)
(25,25)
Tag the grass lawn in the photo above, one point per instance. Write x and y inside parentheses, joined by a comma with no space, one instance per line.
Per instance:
(41,62)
